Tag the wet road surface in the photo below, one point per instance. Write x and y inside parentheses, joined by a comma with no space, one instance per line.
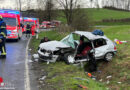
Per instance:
(13,67)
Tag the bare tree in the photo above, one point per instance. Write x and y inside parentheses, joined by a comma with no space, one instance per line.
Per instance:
(28,4)
(68,8)
(20,4)
(46,10)
(41,4)
(121,4)
(91,1)
(49,8)
(75,16)
(97,4)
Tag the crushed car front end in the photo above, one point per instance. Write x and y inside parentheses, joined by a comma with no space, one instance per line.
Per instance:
(51,51)
(47,55)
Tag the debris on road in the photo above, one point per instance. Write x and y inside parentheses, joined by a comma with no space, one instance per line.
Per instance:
(35,56)
(108,82)
(78,78)
(30,61)
(109,77)
(119,42)
(42,78)
(36,60)
(41,82)
(81,86)
(119,82)
(91,76)
(30,49)
(101,80)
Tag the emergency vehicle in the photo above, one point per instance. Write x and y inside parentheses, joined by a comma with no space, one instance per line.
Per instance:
(46,24)
(34,22)
(12,20)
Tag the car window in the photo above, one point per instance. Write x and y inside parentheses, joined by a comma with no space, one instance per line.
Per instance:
(99,42)
(76,37)
(86,40)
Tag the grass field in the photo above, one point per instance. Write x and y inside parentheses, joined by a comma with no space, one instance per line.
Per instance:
(111,23)
(61,76)
(97,15)
(100,14)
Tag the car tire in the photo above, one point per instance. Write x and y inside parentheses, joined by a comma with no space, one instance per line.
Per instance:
(66,58)
(108,57)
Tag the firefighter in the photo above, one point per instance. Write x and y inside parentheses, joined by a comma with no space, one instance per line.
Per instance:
(28,30)
(33,29)
(3,34)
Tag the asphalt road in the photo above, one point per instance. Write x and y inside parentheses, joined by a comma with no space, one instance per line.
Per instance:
(12,69)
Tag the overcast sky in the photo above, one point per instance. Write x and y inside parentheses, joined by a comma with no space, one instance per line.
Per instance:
(7,4)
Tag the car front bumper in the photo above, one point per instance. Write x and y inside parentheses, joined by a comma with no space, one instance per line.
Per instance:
(47,58)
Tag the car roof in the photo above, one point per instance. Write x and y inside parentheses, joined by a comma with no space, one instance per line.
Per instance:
(89,35)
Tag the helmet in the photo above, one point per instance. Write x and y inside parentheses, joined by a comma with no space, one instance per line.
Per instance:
(1,17)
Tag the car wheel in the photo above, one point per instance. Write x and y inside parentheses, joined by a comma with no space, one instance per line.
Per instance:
(69,58)
(108,57)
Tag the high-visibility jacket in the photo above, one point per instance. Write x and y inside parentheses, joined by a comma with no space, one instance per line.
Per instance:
(3,30)
(28,28)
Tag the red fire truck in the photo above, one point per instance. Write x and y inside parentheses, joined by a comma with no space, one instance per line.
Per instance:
(12,19)
(34,22)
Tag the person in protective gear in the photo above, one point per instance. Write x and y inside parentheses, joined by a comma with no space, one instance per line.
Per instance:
(28,30)
(3,34)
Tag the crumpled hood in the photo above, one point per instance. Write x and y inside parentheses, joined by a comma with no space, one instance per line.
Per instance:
(52,45)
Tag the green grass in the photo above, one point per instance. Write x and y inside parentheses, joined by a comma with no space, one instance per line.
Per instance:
(100,14)
(97,15)
(111,23)
(61,76)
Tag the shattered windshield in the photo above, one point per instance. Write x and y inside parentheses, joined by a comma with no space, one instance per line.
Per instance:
(70,40)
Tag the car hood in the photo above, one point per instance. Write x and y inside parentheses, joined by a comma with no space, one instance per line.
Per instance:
(53,45)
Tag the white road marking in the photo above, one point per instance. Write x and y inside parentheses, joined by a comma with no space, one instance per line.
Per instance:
(27,79)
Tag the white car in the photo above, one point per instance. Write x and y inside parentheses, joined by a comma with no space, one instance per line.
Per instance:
(68,48)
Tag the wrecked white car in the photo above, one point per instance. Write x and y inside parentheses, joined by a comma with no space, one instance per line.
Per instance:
(76,46)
